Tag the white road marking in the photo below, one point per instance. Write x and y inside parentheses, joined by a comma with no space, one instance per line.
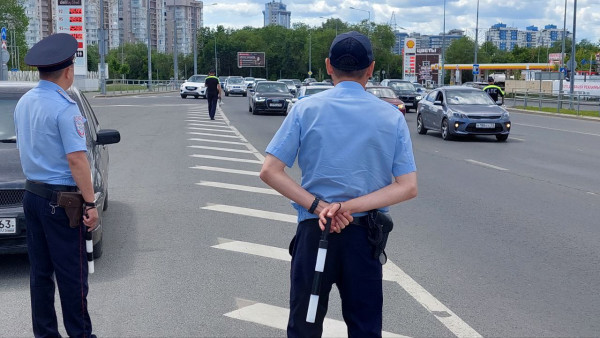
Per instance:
(252,212)
(247,188)
(255,151)
(222,149)
(557,129)
(209,134)
(226,170)
(487,165)
(211,129)
(277,317)
(592,193)
(391,272)
(516,138)
(196,124)
(226,158)
(216,141)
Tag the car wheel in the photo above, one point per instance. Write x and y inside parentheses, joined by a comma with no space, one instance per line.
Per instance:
(254,111)
(420,127)
(245,94)
(183,96)
(502,137)
(98,248)
(446,130)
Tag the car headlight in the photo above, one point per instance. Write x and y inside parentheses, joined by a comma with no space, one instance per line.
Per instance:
(260,99)
(401,106)
(418,97)
(505,115)
(460,115)
(288,100)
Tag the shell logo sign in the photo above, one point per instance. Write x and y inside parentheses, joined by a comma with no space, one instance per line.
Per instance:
(410,46)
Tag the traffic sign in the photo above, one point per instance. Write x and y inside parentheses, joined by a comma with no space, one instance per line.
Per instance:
(3,33)
(475,69)
(584,61)
(4,45)
(4,56)
(309,73)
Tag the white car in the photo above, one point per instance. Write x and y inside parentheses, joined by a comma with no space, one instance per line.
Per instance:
(236,85)
(194,86)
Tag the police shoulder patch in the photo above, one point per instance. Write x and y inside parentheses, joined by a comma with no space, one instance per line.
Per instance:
(79,121)
(65,95)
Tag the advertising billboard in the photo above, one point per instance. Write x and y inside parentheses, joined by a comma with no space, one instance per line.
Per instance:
(251,59)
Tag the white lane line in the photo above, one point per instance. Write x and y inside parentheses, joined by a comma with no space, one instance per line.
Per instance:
(209,134)
(557,129)
(210,129)
(212,125)
(226,170)
(238,187)
(391,272)
(252,212)
(487,165)
(277,317)
(255,151)
(518,139)
(216,141)
(226,158)
(222,149)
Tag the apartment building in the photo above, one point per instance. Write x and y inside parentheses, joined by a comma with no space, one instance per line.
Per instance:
(507,38)
(276,13)
(39,13)
(183,19)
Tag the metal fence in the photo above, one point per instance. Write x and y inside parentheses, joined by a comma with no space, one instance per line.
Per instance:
(128,86)
(578,101)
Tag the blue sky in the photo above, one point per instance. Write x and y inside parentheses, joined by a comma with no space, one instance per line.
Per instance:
(423,16)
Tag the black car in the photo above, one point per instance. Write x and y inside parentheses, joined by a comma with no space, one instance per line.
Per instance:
(270,97)
(12,181)
(406,92)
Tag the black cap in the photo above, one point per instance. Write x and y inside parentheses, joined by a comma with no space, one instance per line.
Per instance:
(52,53)
(351,51)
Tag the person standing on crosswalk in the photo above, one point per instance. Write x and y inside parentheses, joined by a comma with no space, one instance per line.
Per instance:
(213,92)
(356,157)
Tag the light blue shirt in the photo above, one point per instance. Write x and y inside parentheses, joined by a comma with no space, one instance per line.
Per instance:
(349,143)
(49,126)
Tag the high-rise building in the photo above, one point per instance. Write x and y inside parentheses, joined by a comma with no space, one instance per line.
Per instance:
(40,14)
(435,41)
(183,19)
(507,38)
(275,13)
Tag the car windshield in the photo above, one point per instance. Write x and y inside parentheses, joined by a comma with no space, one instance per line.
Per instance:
(271,87)
(287,82)
(382,92)
(311,91)
(456,97)
(8,102)
(235,80)
(297,82)
(249,79)
(402,86)
(197,78)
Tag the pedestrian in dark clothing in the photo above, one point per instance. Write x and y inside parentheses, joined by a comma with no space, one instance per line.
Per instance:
(213,93)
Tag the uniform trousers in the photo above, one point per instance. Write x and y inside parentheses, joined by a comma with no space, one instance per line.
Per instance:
(55,249)
(212,105)
(351,266)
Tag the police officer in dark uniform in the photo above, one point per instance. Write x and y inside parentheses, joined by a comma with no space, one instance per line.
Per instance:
(352,163)
(52,145)
(213,92)
(493,90)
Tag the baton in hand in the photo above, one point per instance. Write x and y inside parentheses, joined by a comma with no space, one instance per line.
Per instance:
(316,287)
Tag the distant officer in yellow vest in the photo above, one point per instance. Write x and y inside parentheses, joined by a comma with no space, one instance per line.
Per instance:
(213,93)
(493,90)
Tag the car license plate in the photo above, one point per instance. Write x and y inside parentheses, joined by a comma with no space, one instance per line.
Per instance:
(8,225)
(408,104)
(485,125)
(276,105)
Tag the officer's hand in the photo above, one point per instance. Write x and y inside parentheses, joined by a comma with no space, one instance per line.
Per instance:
(90,218)
(340,218)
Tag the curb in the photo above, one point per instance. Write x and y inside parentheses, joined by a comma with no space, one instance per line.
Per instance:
(534,112)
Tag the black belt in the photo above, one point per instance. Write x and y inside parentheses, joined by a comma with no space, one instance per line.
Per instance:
(47,191)
(362,221)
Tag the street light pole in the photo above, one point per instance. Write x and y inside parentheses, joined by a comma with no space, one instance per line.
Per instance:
(441,79)
(216,71)
(562,58)
(102,49)
(573,61)
(149,47)
(369,20)
(476,40)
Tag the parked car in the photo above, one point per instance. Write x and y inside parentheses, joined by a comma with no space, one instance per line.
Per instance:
(308,81)
(406,92)
(290,84)
(388,95)
(420,88)
(194,86)
(298,83)
(478,85)
(235,85)
(257,80)
(12,180)
(270,97)
(460,110)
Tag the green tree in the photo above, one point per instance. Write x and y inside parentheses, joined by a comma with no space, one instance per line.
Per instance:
(12,16)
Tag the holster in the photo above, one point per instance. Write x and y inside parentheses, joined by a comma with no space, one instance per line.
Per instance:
(380,226)
(72,202)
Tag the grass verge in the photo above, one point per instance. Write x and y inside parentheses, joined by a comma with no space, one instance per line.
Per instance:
(592,113)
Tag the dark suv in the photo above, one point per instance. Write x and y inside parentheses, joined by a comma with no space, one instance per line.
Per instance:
(12,180)
(406,92)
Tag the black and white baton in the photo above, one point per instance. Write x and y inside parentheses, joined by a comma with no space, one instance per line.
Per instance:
(89,248)
(316,287)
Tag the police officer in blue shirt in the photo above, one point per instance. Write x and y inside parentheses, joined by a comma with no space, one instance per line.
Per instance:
(52,145)
(355,154)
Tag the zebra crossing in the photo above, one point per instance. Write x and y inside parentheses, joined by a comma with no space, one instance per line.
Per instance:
(207,138)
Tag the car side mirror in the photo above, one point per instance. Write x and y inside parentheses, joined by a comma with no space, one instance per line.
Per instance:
(437,103)
(108,136)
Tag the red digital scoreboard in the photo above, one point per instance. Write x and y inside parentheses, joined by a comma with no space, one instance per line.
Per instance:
(71,20)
